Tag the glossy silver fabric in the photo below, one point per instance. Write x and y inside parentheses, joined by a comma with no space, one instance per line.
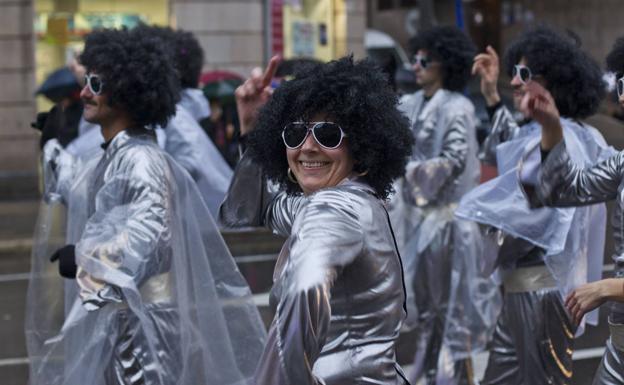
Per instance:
(157,299)
(611,369)
(434,245)
(570,242)
(338,291)
(564,183)
(533,331)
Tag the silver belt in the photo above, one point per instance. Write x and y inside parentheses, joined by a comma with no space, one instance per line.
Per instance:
(525,279)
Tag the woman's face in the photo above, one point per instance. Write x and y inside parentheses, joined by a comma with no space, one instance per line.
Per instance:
(316,167)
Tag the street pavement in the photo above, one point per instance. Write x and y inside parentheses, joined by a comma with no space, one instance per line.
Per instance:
(255,252)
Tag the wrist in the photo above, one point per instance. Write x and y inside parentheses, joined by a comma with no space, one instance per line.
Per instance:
(552,134)
(614,289)
(492,98)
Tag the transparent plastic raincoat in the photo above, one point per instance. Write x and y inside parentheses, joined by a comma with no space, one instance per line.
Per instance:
(157,298)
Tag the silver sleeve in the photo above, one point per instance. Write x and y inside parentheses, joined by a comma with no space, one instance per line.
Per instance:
(504,128)
(327,237)
(250,201)
(563,183)
(425,178)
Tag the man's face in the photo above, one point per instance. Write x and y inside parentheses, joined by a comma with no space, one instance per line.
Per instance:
(96,107)
(427,71)
(519,87)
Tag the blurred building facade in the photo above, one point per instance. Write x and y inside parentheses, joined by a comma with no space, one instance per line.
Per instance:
(38,36)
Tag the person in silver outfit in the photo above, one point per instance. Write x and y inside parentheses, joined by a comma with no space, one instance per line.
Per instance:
(543,253)
(183,137)
(563,182)
(333,141)
(433,243)
(151,295)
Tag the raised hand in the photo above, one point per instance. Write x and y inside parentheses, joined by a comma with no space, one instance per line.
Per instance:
(254,93)
(539,105)
(487,66)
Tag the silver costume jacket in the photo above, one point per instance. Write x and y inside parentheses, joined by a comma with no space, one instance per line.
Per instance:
(157,298)
(338,291)
(434,245)
(564,183)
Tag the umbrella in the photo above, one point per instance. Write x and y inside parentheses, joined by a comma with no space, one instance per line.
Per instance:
(215,76)
(223,90)
(59,84)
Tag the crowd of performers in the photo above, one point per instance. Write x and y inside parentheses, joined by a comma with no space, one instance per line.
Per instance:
(387,228)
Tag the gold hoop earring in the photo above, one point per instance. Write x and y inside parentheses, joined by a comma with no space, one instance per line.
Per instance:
(363,173)
(290,175)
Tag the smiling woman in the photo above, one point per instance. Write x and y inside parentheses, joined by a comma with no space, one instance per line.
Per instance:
(333,139)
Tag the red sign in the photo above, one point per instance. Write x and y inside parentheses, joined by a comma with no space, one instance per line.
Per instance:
(277,27)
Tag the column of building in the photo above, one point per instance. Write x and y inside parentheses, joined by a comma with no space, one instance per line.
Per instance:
(18,142)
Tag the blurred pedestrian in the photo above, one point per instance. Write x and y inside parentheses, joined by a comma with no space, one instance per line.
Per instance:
(452,316)
(543,253)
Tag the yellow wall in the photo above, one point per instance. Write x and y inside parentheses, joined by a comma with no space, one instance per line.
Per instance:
(53,48)
(312,13)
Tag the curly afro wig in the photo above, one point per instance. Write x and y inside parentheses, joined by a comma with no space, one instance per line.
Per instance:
(138,76)
(189,58)
(571,76)
(357,97)
(452,48)
(183,48)
(615,58)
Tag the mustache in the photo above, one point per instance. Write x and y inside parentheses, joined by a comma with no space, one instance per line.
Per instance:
(90,102)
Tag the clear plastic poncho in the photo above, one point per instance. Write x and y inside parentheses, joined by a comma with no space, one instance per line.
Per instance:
(157,299)
(573,238)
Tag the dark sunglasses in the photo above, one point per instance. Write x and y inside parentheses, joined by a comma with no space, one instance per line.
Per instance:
(522,72)
(94,83)
(422,61)
(619,85)
(327,134)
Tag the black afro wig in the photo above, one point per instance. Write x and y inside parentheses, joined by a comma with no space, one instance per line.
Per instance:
(189,58)
(357,97)
(571,76)
(452,48)
(615,58)
(137,74)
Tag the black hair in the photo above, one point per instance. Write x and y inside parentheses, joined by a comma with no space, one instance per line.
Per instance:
(452,48)
(357,97)
(571,76)
(137,74)
(615,58)
(189,58)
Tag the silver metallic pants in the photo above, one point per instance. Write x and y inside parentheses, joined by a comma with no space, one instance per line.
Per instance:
(533,341)
(431,286)
(611,369)
(133,361)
